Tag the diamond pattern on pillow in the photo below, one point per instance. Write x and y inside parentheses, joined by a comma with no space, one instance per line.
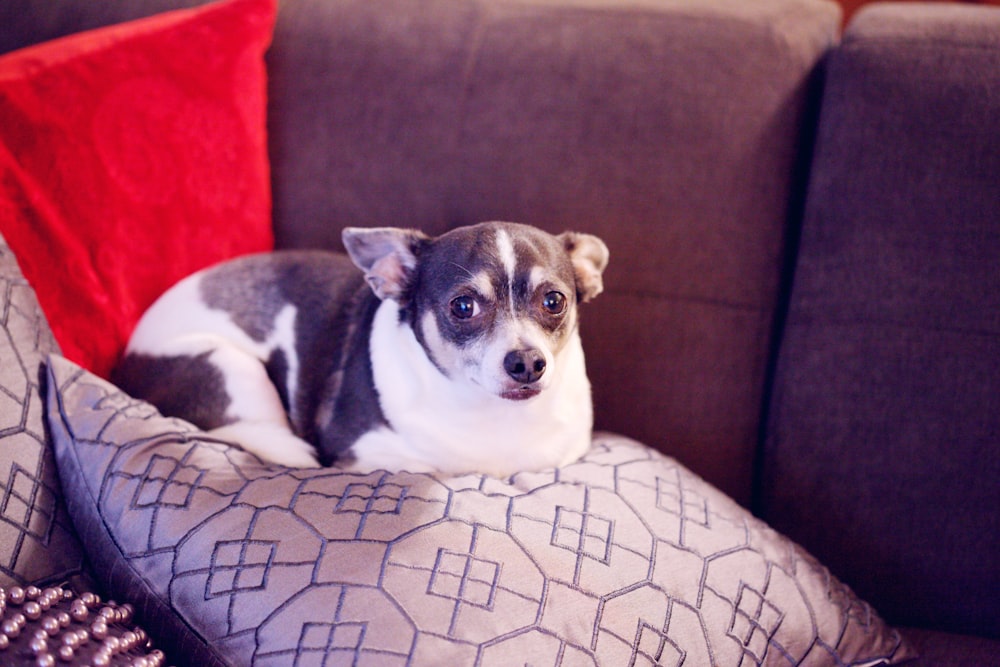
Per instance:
(622,558)
(37,542)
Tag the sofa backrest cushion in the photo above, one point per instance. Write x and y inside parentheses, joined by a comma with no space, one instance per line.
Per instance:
(670,129)
(27,22)
(881,456)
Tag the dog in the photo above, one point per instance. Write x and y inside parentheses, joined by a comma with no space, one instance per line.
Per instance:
(456,354)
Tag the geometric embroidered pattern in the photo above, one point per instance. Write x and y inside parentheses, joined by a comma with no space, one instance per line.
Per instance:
(672,497)
(464,578)
(28,504)
(330,644)
(165,482)
(653,648)
(584,534)
(364,499)
(754,621)
(576,566)
(239,566)
(37,542)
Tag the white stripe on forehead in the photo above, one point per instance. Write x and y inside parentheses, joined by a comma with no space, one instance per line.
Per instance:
(505,250)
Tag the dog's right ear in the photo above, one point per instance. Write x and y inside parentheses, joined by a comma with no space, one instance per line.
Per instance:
(387,255)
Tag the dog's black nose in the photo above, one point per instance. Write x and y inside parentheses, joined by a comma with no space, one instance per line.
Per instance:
(525,366)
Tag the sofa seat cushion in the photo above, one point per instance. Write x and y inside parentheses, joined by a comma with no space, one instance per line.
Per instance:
(131,156)
(622,558)
(946,649)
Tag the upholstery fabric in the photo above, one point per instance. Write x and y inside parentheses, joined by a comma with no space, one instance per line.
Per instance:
(889,376)
(129,159)
(27,22)
(622,558)
(946,649)
(670,129)
(37,542)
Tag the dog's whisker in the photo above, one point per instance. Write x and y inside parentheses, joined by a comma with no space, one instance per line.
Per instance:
(463,268)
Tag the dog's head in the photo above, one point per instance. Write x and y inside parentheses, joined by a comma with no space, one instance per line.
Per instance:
(493,304)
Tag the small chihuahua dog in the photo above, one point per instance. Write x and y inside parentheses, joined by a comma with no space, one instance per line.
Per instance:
(460,354)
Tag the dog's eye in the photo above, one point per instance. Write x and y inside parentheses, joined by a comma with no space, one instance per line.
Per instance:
(464,307)
(554,302)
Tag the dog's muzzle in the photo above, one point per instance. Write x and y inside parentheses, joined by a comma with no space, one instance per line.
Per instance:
(525,367)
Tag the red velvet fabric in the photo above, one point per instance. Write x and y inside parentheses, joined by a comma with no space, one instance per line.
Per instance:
(131,156)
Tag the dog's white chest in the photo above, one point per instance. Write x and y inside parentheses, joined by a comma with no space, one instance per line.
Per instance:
(438,423)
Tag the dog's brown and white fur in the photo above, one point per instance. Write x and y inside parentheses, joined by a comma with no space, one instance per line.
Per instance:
(461,354)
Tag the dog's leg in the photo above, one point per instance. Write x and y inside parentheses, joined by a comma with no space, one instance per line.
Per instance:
(269,441)
(257,418)
(237,400)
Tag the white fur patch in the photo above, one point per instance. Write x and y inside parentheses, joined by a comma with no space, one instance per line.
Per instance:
(535,278)
(181,312)
(180,324)
(384,449)
(483,285)
(178,314)
(251,394)
(269,441)
(508,258)
(455,426)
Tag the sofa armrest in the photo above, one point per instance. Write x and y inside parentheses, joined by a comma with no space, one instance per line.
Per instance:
(881,454)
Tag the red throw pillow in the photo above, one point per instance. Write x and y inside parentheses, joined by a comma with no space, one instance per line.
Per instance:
(130,157)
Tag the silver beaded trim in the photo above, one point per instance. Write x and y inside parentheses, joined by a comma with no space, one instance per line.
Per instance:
(53,626)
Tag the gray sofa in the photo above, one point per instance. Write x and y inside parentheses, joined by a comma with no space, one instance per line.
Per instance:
(803,298)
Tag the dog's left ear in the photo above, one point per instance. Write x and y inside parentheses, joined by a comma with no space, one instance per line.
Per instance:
(387,255)
(589,256)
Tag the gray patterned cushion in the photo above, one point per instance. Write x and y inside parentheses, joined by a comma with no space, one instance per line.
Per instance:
(37,542)
(622,558)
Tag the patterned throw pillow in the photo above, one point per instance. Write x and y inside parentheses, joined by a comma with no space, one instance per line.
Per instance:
(624,558)
(37,542)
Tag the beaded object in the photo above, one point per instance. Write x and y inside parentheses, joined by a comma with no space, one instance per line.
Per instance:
(54,626)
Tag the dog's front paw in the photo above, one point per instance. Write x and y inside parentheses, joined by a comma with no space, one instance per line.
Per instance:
(271,442)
